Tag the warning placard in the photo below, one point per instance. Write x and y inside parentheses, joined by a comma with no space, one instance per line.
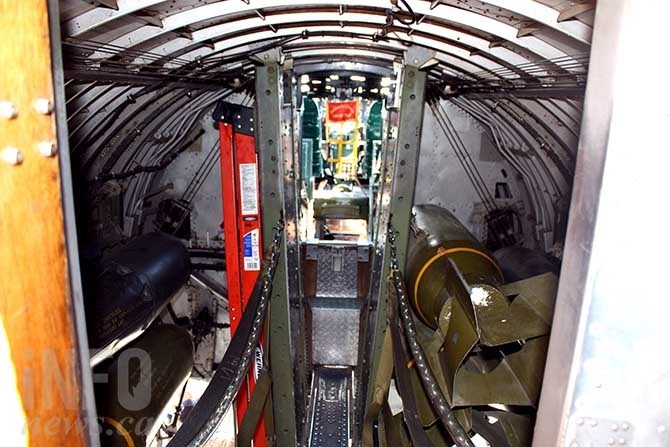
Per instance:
(251,248)
(249,188)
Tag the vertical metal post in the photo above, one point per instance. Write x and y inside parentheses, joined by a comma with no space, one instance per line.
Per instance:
(607,377)
(397,189)
(47,384)
(291,145)
(272,168)
(412,102)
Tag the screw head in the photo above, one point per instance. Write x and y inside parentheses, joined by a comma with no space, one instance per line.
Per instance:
(7,110)
(47,148)
(43,106)
(11,156)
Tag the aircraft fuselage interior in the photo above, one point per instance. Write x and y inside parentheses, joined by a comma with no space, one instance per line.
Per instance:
(315,223)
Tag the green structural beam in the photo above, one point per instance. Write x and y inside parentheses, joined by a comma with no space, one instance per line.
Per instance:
(397,192)
(271,163)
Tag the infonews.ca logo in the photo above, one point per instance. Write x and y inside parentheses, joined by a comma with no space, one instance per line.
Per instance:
(125,419)
(110,427)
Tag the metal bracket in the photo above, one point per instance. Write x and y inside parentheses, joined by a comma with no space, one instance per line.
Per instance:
(287,64)
(311,252)
(419,57)
(271,156)
(242,118)
(363,253)
(268,56)
(402,160)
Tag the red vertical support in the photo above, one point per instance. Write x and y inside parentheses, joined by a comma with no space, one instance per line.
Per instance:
(242,229)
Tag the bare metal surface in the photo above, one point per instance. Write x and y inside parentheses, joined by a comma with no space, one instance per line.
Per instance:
(330,417)
(604,363)
(335,331)
(337,271)
(478,19)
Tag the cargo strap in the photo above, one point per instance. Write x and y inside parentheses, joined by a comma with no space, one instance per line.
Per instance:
(382,382)
(437,399)
(210,410)
(401,361)
(255,409)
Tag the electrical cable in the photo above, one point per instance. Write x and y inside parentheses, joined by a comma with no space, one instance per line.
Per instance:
(153,168)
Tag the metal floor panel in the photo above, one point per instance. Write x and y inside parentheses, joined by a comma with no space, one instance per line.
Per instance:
(330,405)
(337,271)
(335,330)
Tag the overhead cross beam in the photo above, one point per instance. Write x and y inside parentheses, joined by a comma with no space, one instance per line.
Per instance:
(575,10)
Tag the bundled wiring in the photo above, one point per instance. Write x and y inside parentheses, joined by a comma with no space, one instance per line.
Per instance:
(164,163)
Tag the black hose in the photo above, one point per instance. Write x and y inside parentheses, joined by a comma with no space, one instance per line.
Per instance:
(399,18)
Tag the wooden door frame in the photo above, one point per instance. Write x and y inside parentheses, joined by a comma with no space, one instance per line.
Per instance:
(41,303)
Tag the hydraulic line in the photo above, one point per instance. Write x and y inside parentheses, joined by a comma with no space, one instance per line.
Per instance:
(469,166)
(530,182)
(543,144)
(101,104)
(466,169)
(465,154)
(537,183)
(541,162)
(179,131)
(140,185)
(86,89)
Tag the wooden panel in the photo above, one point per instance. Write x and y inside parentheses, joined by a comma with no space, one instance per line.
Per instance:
(35,306)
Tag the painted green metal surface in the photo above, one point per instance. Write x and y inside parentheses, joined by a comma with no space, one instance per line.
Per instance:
(397,185)
(435,236)
(271,163)
(373,132)
(311,130)
(489,349)
(488,341)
